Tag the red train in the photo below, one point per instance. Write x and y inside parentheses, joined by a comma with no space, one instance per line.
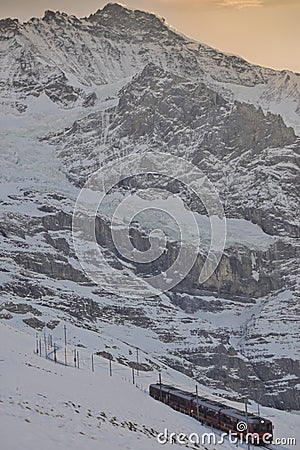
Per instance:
(214,413)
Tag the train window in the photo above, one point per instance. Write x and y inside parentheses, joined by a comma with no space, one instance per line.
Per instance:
(213,414)
(261,426)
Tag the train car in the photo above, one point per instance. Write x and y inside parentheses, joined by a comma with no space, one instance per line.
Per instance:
(160,392)
(207,411)
(176,398)
(181,401)
(214,413)
(261,429)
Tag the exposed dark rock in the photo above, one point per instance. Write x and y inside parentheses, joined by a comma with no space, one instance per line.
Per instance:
(35,323)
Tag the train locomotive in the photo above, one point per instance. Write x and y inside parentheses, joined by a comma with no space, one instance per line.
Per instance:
(215,414)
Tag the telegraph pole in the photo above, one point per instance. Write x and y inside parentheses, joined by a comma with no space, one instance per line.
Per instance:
(45,344)
(247,422)
(55,358)
(37,343)
(197,400)
(65,335)
(137,361)
(159,379)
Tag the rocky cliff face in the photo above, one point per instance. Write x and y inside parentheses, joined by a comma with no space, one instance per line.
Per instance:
(239,147)
(79,92)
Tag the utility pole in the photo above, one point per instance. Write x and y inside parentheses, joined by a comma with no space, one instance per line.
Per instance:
(55,358)
(93,368)
(197,401)
(247,422)
(45,344)
(65,335)
(258,406)
(137,361)
(37,343)
(133,380)
(159,380)
(78,359)
(110,367)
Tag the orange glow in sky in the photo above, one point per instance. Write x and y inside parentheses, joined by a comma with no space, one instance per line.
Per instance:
(264,32)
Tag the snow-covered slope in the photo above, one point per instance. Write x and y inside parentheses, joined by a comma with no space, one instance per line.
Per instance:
(48,405)
(76,92)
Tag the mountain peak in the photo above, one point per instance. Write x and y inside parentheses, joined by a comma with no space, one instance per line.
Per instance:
(53,15)
(9,27)
(113,6)
(117,11)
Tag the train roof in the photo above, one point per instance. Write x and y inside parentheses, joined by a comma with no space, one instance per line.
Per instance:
(211,404)
(163,386)
(166,387)
(241,415)
(184,394)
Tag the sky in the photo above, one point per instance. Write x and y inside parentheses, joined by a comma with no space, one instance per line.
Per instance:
(264,32)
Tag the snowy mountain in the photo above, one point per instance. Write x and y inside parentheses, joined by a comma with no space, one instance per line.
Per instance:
(68,59)
(76,93)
